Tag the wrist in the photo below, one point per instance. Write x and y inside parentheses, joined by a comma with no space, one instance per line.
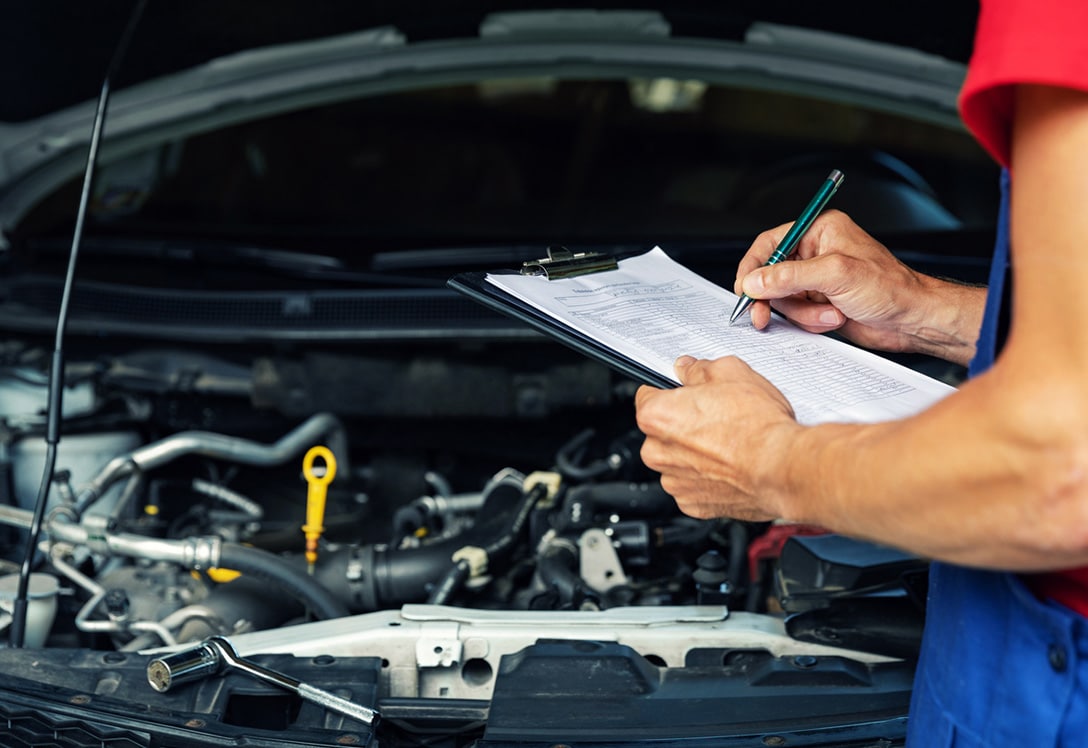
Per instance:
(818,473)
(946,320)
(776,466)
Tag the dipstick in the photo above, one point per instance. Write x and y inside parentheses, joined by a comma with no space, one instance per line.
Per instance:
(315,499)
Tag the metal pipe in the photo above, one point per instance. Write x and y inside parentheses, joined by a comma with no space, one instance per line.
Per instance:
(15,517)
(231,498)
(208,444)
(189,442)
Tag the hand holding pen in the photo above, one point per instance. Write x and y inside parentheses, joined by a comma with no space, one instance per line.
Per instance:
(793,236)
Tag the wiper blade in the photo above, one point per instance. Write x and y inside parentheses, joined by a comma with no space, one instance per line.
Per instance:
(296,263)
(188,250)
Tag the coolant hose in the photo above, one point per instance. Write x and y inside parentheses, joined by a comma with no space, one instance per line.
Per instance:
(454,579)
(556,566)
(260,564)
(374,577)
(450,584)
(513,531)
(581,503)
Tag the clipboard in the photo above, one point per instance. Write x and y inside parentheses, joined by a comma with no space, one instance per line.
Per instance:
(560,263)
(655,309)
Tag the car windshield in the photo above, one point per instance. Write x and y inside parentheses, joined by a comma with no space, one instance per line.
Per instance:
(536,159)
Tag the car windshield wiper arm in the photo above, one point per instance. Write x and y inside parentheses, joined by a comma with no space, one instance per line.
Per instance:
(297,263)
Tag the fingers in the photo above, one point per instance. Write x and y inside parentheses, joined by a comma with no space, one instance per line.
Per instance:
(811,316)
(762,248)
(691,371)
(825,275)
(830,223)
(830,234)
(798,291)
(688,370)
(652,411)
(652,414)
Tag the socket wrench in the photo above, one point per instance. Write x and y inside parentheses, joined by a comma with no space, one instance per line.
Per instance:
(216,654)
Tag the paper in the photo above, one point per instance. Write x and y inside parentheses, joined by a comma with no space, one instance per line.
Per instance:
(653,310)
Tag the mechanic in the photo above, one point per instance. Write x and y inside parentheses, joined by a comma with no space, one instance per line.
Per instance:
(992,482)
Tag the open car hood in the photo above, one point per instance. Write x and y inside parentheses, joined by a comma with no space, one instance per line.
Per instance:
(40,153)
(280,197)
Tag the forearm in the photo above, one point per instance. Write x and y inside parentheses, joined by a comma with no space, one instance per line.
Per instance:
(981,479)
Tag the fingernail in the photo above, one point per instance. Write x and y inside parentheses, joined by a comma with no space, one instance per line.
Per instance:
(683,361)
(829,317)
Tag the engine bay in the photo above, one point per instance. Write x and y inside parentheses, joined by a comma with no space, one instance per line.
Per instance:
(469,533)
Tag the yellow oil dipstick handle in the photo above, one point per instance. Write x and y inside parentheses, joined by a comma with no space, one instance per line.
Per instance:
(315,499)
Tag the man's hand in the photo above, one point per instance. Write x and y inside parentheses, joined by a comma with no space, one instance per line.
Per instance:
(711,438)
(841,278)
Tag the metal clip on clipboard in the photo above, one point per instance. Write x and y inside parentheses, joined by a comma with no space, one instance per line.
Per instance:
(562,263)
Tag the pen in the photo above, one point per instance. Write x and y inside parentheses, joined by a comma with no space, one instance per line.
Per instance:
(793,236)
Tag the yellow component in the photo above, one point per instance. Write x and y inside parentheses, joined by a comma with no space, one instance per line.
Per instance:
(223,575)
(315,498)
(552,482)
(151,510)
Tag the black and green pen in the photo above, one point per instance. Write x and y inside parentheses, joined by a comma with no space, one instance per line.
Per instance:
(793,236)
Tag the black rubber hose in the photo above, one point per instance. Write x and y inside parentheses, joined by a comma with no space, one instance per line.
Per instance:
(556,569)
(507,539)
(458,574)
(582,503)
(738,552)
(269,567)
(395,576)
(569,456)
(451,584)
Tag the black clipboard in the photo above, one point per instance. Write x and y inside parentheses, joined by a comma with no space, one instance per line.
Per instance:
(558,264)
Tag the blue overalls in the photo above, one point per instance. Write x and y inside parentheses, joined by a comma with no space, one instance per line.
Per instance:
(998,667)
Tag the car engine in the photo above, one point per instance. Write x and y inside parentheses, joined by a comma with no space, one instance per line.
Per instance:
(160,541)
(501,509)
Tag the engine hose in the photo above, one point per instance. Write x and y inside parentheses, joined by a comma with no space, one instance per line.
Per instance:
(461,570)
(215,446)
(555,567)
(738,551)
(569,456)
(451,584)
(581,503)
(510,536)
(260,564)
(374,577)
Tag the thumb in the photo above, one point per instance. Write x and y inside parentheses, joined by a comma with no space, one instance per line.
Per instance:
(686,369)
(754,284)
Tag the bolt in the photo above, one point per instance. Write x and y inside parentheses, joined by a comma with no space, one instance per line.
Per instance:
(774,740)
(348,740)
(80,700)
(195,724)
(116,602)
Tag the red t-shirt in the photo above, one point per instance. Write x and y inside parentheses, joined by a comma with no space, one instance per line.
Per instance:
(1021,41)
(1026,41)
